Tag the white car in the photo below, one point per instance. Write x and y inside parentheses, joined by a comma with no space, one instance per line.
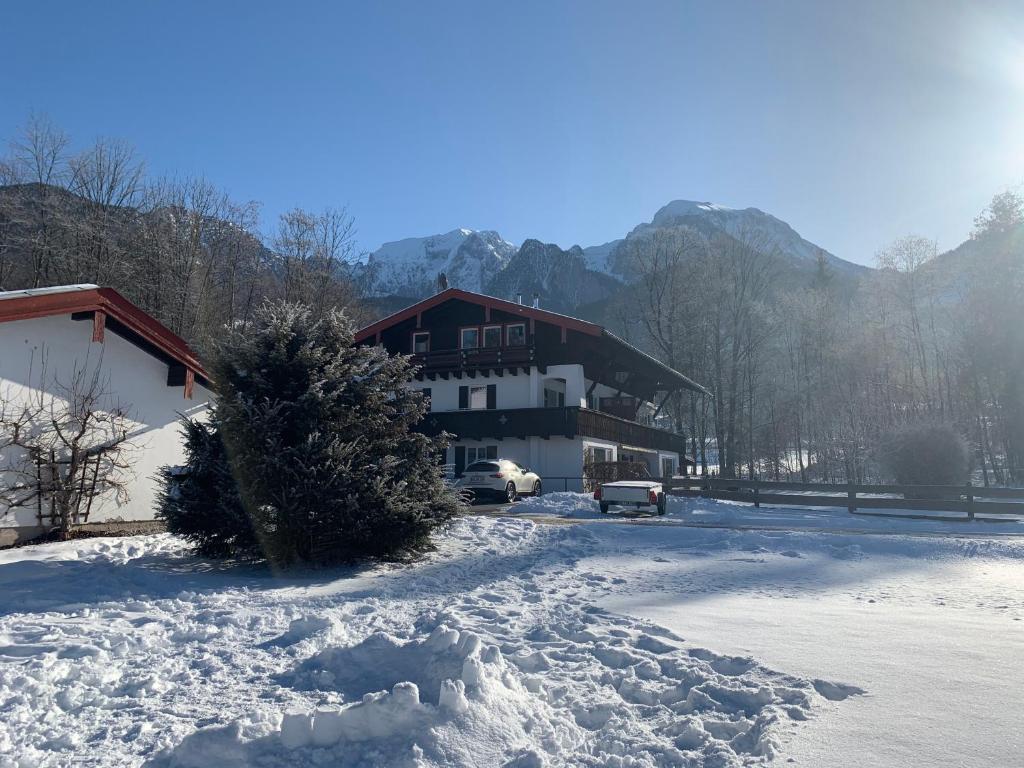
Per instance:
(631,493)
(501,478)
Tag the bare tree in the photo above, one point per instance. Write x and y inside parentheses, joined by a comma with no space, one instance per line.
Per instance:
(33,211)
(313,251)
(63,444)
(109,179)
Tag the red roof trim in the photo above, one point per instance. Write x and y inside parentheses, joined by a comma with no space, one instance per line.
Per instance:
(114,305)
(488,302)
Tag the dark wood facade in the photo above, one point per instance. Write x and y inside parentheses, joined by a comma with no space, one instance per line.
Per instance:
(548,339)
(459,335)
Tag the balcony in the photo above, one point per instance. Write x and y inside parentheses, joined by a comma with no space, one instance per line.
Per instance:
(475,359)
(570,422)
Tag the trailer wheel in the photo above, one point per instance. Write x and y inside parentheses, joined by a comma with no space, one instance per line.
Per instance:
(604,506)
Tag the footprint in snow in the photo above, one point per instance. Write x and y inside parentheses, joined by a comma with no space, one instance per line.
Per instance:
(836,691)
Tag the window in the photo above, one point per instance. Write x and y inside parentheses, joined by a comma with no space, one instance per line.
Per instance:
(553,398)
(421,342)
(515,335)
(554,393)
(492,336)
(668,466)
(480,454)
(469,338)
(601,454)
(426,396)
(478,398)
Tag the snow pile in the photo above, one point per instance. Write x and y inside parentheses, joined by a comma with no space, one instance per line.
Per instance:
(514,644)
(603,690)
(560,504)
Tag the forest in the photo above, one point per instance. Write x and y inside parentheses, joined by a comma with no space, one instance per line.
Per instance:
(813,377)
(817,379)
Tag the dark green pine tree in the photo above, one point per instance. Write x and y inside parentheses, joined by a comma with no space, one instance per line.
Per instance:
(317,436)
(200,501)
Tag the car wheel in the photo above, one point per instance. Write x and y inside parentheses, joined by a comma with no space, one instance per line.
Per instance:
(536,488)
(604,506)
(510,492)
(662,504)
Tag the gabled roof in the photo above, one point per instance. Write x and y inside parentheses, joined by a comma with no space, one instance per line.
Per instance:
(71,299)
(541,315)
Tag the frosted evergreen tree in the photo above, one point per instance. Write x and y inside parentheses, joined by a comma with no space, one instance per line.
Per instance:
(318,437)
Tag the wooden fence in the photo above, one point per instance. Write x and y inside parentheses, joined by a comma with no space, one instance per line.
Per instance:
(973,501)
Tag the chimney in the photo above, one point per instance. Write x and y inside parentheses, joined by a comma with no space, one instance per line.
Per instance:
(519,298)
(536,301)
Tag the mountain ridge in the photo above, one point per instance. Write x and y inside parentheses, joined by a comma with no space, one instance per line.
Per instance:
(565,278)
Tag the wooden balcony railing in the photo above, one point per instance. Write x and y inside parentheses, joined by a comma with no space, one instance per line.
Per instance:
(480,357)
(570,422)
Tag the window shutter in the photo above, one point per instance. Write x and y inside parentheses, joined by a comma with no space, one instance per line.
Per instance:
(460,459)
(463,402)
(492,396)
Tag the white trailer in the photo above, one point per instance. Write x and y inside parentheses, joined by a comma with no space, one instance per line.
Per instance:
(636,494)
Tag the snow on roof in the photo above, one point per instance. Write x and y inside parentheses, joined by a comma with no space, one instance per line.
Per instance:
(43,291)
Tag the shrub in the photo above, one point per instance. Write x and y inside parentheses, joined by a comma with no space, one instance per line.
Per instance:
(200,501)
(927,454)
(317,437)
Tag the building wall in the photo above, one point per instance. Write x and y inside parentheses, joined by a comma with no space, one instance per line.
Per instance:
(135,379)
(558,460)
(521,390)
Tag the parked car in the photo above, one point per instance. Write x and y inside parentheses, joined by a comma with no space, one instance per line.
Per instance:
(499,478)
(631,493)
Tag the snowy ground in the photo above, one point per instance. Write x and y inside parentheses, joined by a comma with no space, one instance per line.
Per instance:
(526,644)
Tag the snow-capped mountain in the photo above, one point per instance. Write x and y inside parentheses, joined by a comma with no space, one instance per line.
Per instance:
(410,267)
(749,224)
(484,261)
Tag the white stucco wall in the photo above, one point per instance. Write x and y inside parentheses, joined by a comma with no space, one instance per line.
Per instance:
(136,380)
(521,390)
(552,459)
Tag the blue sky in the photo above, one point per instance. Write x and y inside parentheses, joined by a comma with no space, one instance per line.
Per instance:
(570,122)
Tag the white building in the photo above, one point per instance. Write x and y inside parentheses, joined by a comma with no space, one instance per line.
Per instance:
(46,336)
(546,390)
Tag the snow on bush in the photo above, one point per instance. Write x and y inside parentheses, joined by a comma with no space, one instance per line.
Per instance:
(310,455)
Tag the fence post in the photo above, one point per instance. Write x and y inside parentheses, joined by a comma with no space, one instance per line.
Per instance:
(969,505)
(851,498)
